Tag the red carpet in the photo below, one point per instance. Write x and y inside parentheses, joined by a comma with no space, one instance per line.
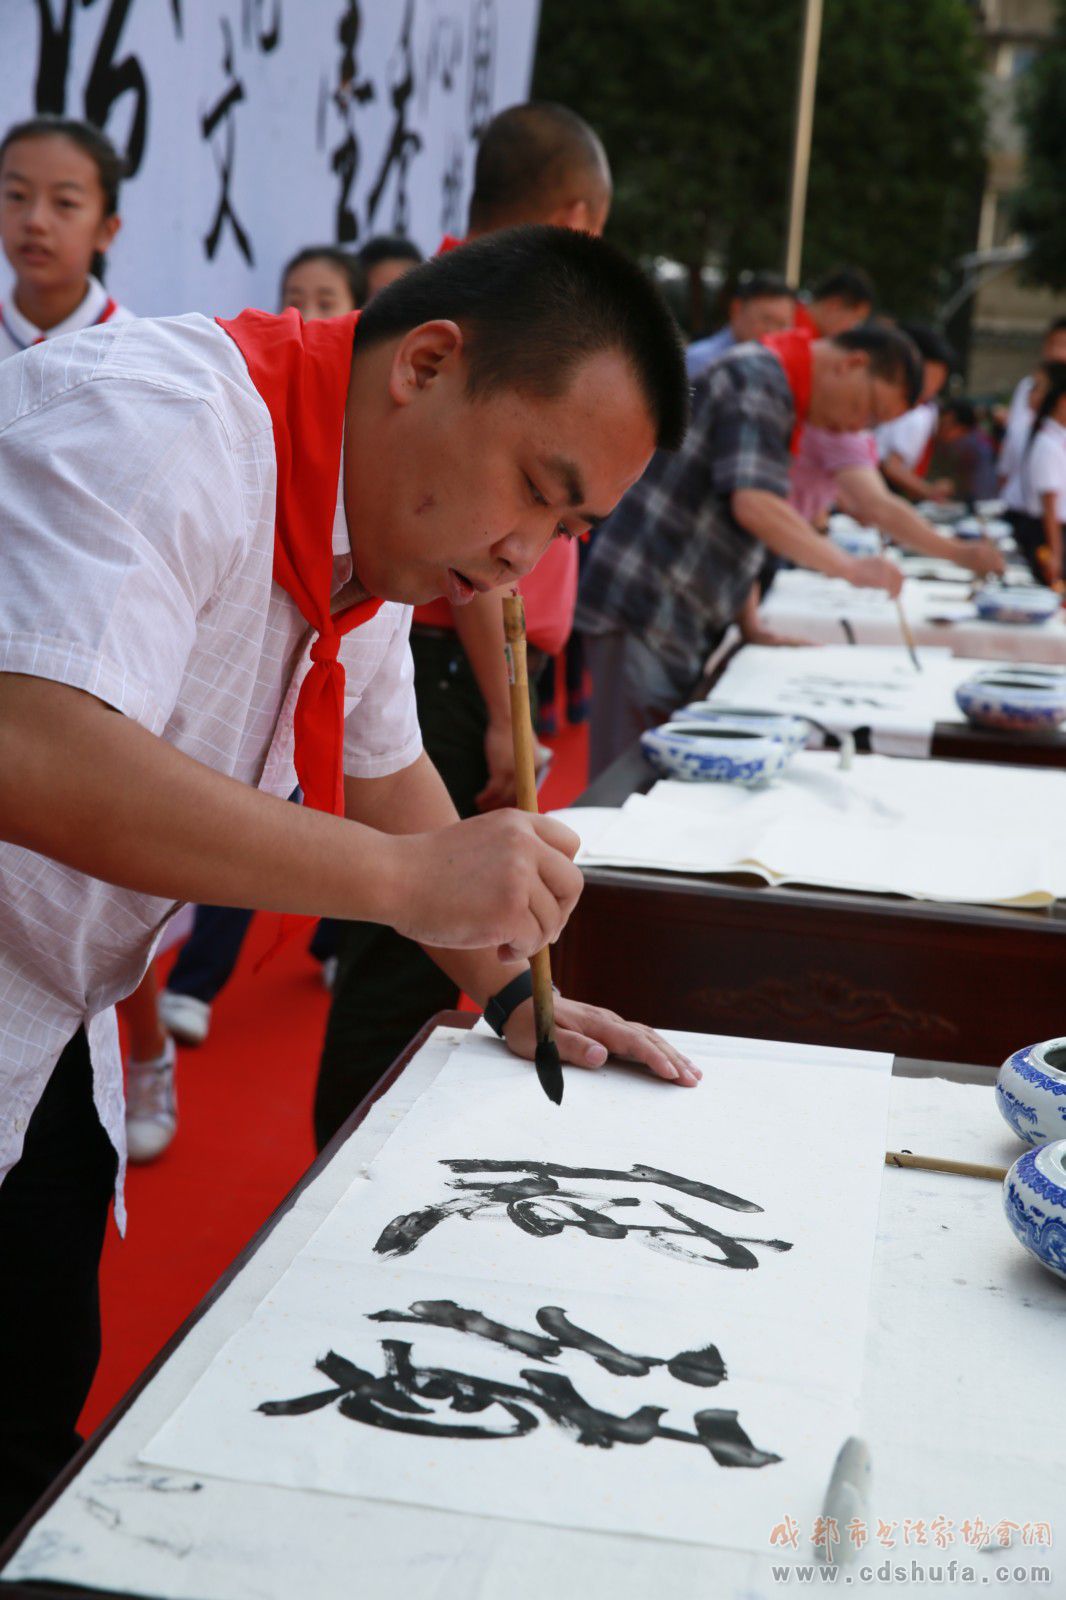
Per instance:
(244,1139)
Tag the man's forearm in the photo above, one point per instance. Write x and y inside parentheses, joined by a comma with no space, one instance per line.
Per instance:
(770,518)
(92,789)
(864,495)
(903,478)
(416,801)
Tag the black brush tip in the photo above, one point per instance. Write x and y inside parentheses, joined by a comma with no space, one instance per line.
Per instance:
(550,1070)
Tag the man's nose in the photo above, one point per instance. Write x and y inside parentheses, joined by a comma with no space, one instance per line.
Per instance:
(37,215)
(522,548)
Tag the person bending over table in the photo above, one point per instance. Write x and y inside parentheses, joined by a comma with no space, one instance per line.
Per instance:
(160,695)
(677,561)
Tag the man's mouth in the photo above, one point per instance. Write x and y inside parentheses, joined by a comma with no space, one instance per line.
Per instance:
(34,254)
(460,589)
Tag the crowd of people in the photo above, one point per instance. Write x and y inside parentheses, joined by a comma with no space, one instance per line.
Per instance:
(519,410)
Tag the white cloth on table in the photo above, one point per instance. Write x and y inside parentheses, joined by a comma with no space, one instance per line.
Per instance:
(847,688)
(809,605)
(930,830)
(951,1292)
(136,565)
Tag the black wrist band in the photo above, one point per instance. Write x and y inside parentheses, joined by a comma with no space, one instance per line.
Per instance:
(499,1008)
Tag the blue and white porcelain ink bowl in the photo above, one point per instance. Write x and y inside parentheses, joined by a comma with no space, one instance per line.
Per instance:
(1019,699)
(781,725)
(989,527)
(699,753)
(1031,1091)
(1034,1200)
(853,537)
(1019,603)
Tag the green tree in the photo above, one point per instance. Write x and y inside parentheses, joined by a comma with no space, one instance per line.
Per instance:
(1040,207)
(695,99)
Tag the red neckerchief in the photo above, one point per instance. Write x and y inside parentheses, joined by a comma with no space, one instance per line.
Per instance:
(301,369)
(449,242)
(793,349)
(805,322)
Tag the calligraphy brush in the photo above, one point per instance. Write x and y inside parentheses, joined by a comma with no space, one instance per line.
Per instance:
(965,1169)
(904,625)
(549,1067)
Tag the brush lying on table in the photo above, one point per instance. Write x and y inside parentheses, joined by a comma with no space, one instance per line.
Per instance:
(549,1067)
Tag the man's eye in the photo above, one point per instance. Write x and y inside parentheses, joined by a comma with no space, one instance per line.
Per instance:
(538,498)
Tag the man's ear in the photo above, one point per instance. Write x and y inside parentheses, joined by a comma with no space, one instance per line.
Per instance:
(421,356)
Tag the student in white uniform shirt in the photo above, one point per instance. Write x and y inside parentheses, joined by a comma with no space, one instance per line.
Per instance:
(204,598)
(59,183)
(905,445)
(1020,418)
(59,192)
(1042,478)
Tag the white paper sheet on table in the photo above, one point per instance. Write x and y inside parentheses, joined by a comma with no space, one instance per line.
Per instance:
(846,687)
(927,829)
(810,606)
(793,1357)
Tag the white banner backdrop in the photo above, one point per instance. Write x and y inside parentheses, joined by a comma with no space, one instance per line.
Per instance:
(255,127)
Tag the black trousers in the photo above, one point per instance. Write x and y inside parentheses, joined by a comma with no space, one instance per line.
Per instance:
(386,987)
(1030,536)
(53,1213)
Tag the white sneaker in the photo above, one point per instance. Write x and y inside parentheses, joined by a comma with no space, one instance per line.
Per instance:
(329,971)
(185,1017)
(151,1105)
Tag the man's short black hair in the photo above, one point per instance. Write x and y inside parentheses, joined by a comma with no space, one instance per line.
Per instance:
(850,285)
(761,286)
(1056,325)
(389,247)
(532,303)
(893,356)
(931,344)
(527,158)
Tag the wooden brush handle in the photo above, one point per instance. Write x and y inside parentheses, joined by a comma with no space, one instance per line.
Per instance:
(514,629)
(964,1169)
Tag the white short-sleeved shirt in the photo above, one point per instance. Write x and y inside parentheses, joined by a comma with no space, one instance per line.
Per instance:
(1015,438)
(907,436)
(18,333)
(1042,470)
(137,478)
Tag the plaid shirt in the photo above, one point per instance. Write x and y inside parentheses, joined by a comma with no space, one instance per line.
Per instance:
(671,563)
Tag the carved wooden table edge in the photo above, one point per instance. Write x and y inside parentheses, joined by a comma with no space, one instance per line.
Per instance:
(12,1589)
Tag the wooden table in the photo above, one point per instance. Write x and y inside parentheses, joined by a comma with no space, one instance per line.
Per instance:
(437,1544)
(875,972)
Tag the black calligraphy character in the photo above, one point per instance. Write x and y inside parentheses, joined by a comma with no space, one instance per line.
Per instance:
(539,1206)
(451,217)
(267,35)
(108,79)
(53,57)
(351,91)
(395,1401)
(221,117)
(403,143)
(440,59)
(482,67)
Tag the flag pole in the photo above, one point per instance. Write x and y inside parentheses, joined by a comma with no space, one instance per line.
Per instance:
(801,147)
